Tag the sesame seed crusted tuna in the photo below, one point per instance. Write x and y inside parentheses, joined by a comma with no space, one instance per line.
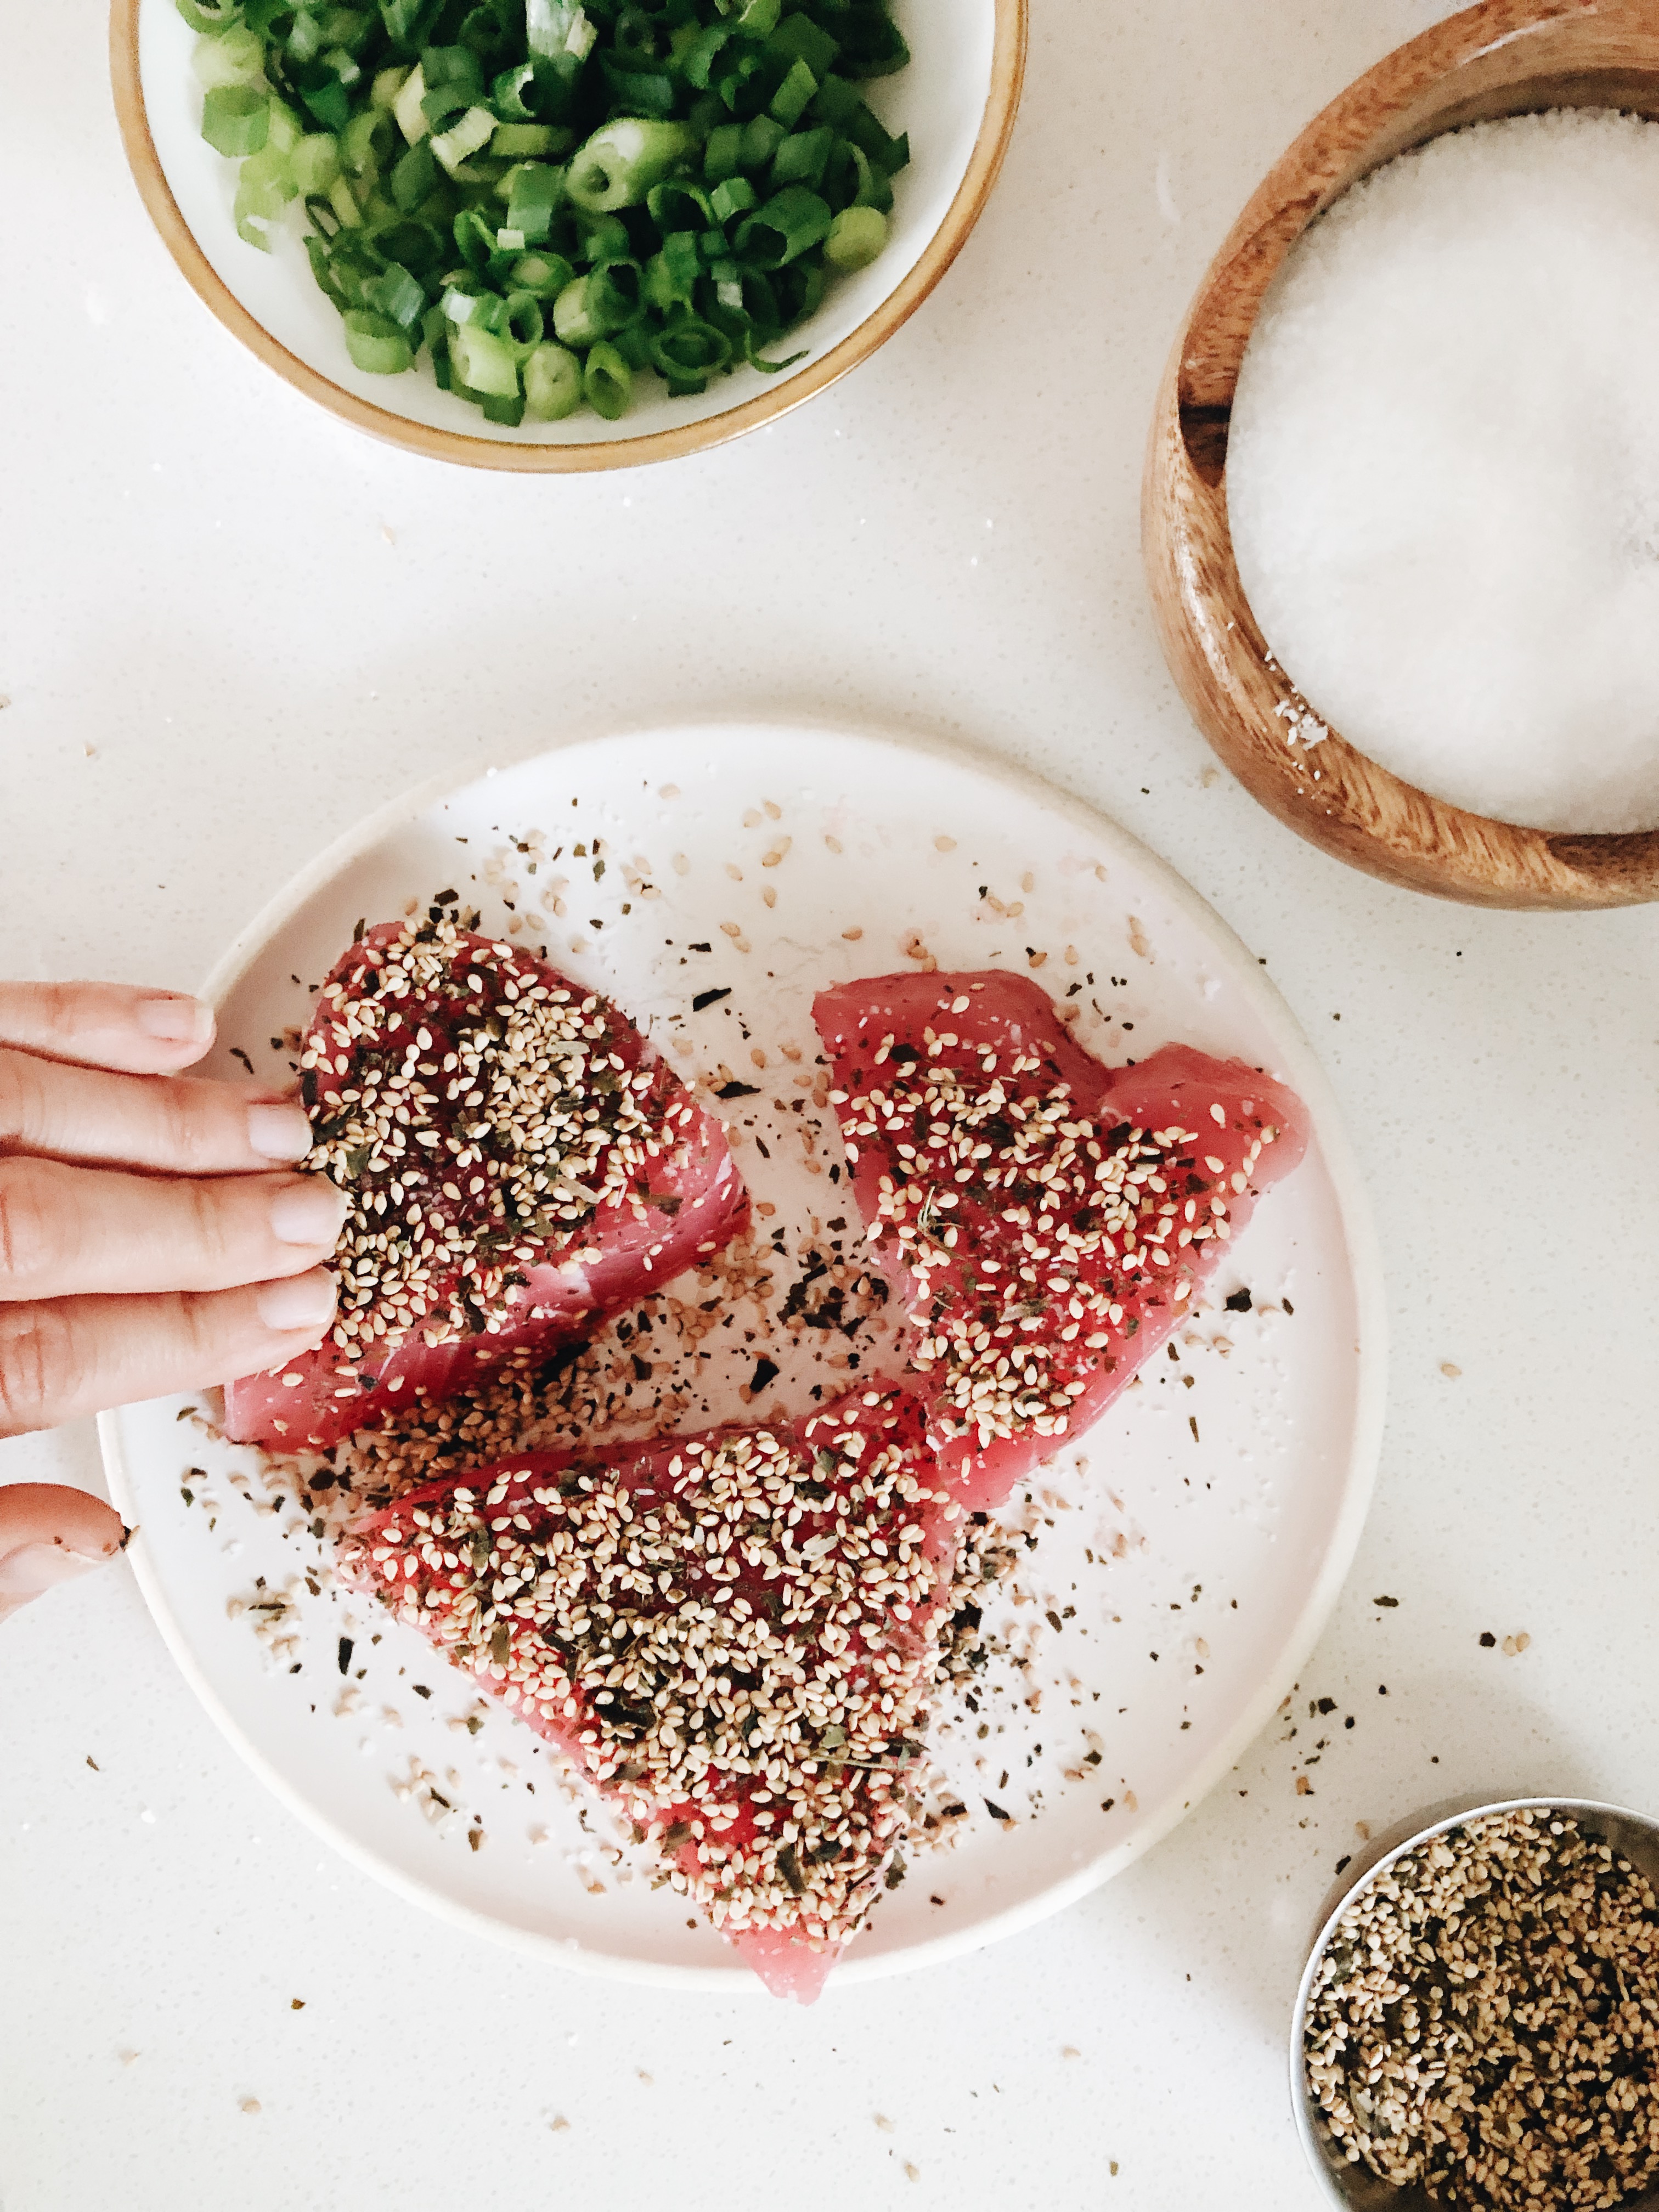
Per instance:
(521,1165)
(733,1635)
(1046,1219)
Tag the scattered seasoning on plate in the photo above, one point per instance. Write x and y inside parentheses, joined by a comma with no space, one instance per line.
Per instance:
(1485,2023)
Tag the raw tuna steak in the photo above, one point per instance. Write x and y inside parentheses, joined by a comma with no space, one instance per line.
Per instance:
(521,1166)
(1045,1219)
(733,1635)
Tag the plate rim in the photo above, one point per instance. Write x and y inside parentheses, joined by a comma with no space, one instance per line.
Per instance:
(1011,31)
(1307,1076)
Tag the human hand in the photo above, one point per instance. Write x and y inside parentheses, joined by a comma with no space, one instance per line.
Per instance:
(48,1534)
(147,1244)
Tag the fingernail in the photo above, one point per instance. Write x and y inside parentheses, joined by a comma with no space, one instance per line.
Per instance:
(33,1568)
(302,1302)
(175,1019)
(308,1213)
(279,1133)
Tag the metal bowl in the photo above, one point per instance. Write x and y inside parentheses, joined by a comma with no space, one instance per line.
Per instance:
(1357,2187)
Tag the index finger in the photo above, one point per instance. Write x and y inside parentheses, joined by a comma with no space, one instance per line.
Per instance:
(180,1124)
(119,1025)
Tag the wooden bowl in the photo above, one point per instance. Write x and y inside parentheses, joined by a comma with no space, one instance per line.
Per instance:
(957,99)
(1502,58)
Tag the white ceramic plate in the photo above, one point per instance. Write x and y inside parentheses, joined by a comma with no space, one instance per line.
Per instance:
(942,99)
(1221,1517)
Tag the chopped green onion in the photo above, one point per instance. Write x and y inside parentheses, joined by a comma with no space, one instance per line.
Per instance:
(285,129)
(552,384)
(315,163)
(413,176)
(572,322)
(874,189)
(305,40)
(872,45)
(623,160)
(475,241)
(795,95)
(697,58)
(543,275)
(376,345)
(855,237)
(234,56)
(537,191)
(755,359)
(506,94)
(639,91)
(484,30)
(524,322)
(605,238)
(207,19)
(263,188)
(607,382)
(597,305)
(328,103)
(399,297)
(407,109)
(483,361)
(416,246)
(690,348)
(722,156)
(453,65)
(443,103)
(342,199)
(533,140)
(236,118)
(803,159)
(790,223)
(407,22)
(557,27)
(798,38)
(679,204)
(671,277)
(457,305)
(729,166)
(470,135)
(735,196)
(366,142)
(762,135)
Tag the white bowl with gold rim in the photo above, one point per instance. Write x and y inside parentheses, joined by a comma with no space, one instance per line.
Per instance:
(957,100)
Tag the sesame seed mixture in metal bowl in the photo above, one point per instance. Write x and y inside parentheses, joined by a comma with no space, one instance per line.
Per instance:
(1107,1639)
(1482,2023)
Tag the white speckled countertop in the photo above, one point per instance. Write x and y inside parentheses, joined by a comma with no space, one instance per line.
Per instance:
(231,627)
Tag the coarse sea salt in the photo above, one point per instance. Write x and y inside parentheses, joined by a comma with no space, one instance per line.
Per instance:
(1443,469)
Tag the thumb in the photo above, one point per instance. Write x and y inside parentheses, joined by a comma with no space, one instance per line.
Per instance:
(48,1534)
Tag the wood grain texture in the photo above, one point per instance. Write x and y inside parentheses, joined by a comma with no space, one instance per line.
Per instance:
(1501,57)
(543,457)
